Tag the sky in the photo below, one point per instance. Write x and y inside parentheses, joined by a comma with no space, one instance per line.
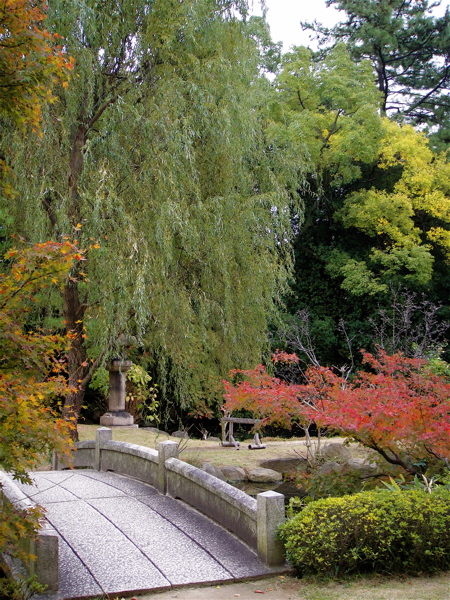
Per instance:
(284,18)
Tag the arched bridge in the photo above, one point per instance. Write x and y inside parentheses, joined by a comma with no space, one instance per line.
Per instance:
(134,519)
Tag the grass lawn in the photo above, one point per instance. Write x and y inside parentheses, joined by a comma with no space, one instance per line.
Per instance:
(200,451)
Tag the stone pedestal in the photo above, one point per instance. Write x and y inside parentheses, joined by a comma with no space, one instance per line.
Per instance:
(117,416)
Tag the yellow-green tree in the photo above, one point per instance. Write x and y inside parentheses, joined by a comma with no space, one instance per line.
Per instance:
(407,219)
(376,203)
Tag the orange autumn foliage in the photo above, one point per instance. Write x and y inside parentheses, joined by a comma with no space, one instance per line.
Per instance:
(32,376)
(31,61)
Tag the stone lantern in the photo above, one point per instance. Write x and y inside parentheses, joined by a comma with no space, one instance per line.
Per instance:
(117,416)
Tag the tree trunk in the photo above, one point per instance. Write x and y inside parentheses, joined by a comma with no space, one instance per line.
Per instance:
(77,364)
(73,308)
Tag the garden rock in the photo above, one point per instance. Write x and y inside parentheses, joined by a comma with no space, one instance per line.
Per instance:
(364,468)
(337,451)
(261,475)
(154,430)
(329,467)
(212,470)
(234,473)
(180,434)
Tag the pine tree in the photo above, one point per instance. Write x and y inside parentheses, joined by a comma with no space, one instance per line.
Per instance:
(408,47)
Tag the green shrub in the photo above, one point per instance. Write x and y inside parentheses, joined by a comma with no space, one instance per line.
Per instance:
(380,530)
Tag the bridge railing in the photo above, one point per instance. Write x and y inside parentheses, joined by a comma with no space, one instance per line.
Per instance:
(42,552)
(254,521)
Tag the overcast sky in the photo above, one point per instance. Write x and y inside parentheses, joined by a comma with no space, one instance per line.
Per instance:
(284,18)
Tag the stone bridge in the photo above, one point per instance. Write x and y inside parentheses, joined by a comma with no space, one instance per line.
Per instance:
(128,519)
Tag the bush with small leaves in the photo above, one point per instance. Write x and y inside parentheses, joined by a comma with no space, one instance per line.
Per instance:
(381,531)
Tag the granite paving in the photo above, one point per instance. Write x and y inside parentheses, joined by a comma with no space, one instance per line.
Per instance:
(119,536)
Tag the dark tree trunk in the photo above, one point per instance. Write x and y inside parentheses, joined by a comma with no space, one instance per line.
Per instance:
(73,308)
(77,363)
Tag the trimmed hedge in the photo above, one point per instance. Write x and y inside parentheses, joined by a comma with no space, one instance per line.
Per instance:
(382,531)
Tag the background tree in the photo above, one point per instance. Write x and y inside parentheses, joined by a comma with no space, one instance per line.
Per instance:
(408,47)
(375,203)
(156,152)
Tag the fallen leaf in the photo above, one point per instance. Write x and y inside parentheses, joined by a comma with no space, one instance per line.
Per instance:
(259,592)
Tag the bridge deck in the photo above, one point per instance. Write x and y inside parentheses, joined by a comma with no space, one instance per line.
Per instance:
(119,535)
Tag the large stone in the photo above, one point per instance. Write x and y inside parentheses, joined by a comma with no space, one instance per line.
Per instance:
(212,470)
(234,473)
(364,468)
(154,430)
(118,418)
(284,465)
(180,434)
(337,451)
(329,467)
(262,475)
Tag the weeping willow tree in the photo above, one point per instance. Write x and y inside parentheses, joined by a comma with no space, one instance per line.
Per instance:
(157,160)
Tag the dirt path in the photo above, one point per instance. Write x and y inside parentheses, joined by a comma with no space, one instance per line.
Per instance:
(289,588)
(280,588)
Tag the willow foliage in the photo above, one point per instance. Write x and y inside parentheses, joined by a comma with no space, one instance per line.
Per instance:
(157,153)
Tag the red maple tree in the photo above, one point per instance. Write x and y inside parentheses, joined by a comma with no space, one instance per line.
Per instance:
(398,407)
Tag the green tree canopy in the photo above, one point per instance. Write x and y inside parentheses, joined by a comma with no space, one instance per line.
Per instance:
(156,160)
(375,204)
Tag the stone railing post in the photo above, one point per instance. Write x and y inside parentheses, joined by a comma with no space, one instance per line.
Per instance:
(45,566)
(166,450)
(117,416)
(102,435)
(270,514)
(57,463)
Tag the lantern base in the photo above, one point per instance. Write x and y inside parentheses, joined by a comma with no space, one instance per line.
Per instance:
(119,418)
